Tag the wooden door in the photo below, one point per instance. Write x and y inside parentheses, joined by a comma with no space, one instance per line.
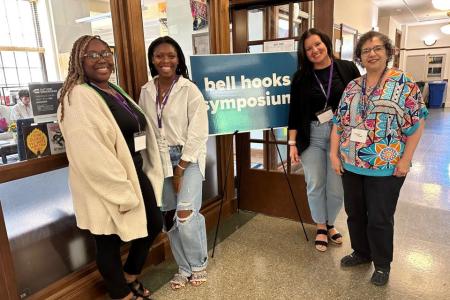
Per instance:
(262,184)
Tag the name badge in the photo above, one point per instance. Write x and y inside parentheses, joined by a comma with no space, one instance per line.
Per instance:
(325,115)
(359,135)
(140,141)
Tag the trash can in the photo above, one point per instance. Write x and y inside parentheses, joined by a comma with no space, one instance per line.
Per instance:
(436,97)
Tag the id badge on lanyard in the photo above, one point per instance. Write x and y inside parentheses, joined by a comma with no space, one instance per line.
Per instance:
(359,135)
(326,114)
(140,141)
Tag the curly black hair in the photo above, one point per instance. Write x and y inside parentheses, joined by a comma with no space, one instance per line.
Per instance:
(368,36)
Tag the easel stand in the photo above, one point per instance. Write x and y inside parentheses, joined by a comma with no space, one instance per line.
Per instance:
(224,189)
(289,183)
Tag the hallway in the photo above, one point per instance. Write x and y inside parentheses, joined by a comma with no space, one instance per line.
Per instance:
(261,257)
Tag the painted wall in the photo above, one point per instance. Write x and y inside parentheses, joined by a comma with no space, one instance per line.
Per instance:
(413,36)
(361,15)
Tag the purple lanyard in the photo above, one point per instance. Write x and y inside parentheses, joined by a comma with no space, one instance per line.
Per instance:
(330,78)
(365,97)
(124,104)
(160,105)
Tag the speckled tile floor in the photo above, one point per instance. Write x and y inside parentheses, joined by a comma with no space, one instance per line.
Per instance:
(261,257)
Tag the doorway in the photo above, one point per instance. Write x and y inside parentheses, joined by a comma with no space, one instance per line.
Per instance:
(261,182)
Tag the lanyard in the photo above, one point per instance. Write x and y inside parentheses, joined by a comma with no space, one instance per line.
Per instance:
(160,105)
(124,104)
(330,79)
(365,97)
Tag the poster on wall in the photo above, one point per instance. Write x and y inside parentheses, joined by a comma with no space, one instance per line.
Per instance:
(245,92)
(199,10)
(44,100)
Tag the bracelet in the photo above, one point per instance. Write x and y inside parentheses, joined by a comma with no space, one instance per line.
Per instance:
(179,166)
(292,143)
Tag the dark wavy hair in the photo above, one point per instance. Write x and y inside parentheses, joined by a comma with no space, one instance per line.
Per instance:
(368,36)
(181,68)
(303,63)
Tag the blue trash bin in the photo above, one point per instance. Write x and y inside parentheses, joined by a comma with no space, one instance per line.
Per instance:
(436,96)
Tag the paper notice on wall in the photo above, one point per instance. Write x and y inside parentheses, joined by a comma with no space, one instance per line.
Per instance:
(279,46)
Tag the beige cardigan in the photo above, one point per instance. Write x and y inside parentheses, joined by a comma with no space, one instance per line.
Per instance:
(105,189)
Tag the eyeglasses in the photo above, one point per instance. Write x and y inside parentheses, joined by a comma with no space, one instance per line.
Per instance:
(377,49)
(95,56)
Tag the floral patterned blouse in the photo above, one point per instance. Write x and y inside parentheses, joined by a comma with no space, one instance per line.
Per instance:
(393,112)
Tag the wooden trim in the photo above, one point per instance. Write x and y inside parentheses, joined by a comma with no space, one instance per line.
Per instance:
(245,4)
(324,8)
(32,167)
(219,26)
(291,20)
(240,32)
(8,288)
(23,49)
(260,42)
(129,45)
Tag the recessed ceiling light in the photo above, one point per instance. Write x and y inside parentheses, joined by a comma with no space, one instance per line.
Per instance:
(441,4)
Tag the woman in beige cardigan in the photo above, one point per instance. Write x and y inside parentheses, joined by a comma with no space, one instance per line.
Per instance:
(115,171)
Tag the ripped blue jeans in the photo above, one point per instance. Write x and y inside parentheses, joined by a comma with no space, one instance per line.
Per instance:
(187,236)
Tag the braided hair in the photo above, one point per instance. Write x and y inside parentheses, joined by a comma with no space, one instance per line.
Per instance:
(76,72)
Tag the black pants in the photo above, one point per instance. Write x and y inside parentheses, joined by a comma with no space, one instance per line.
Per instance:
(108,247)
(370,204)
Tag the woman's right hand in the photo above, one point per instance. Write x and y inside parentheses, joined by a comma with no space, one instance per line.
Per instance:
(336,164)
(293,153)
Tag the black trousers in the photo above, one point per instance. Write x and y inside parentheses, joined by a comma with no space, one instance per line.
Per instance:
(370,204)
(108,247)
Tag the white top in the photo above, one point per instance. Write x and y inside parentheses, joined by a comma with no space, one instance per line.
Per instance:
(103,181)
(20,111)
(184,118)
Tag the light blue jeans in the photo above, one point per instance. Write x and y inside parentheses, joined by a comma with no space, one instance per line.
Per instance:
(187,236)
(323,185)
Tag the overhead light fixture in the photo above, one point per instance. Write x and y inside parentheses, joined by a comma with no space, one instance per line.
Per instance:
(446,29)
(430,41)
(441,4)
(94,18)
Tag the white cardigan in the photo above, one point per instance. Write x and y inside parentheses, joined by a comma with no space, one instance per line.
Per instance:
(105,188)
(184,118)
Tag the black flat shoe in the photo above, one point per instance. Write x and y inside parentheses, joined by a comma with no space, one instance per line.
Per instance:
(354,259)
(138,290)
(335,238)
(321,245)
(380,277)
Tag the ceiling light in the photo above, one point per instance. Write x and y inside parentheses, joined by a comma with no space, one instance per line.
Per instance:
(446,29)
(441,4)
(429,41)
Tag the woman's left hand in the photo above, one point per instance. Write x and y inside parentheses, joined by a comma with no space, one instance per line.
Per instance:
(402,168)
(177,179)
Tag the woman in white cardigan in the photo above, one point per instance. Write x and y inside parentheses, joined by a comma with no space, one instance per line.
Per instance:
(178,114)
(115,172)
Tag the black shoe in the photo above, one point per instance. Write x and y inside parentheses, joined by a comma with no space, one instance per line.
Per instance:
(380,277)
(354,259)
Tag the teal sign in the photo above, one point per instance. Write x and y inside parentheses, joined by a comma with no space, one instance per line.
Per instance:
(245,92)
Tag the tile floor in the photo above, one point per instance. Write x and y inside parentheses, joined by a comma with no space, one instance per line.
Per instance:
(261,257)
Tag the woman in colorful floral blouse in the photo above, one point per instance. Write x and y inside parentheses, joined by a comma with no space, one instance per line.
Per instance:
(377,127)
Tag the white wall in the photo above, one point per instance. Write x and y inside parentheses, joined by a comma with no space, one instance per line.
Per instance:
(179,22)
(359,14)
(413,39)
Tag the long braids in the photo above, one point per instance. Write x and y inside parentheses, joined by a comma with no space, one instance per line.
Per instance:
(76,73)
